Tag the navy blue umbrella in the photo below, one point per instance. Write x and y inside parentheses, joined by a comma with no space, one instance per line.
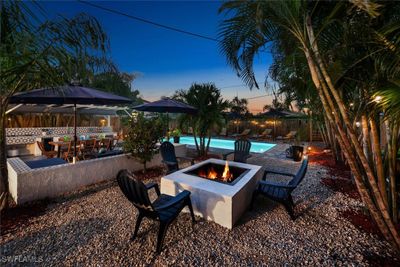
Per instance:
(167,105)
(69,94)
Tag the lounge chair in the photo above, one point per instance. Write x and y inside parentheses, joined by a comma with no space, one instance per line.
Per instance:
(169,157)
(48,154)
(290,136)
(244,134)
(164,209)
(241,152)
(281,192)
(266,134)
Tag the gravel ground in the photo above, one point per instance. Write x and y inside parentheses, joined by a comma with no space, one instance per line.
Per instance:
(92,228)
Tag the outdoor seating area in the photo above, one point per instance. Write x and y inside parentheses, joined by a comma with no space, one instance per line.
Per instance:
(233,133)
(264,233)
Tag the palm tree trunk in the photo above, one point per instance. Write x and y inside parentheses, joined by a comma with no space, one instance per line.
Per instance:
(350,137)
(208,143)
(381,221)
(195,139)
(378,160)
(391,136)
(366,140)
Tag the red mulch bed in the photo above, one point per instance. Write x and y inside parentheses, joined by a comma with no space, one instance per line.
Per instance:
(317,156)
(342,185)
(365,223)
(362,221)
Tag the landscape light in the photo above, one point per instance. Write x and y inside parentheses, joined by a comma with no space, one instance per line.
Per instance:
(378,99)
(309,148)
(358,124)
(351,104)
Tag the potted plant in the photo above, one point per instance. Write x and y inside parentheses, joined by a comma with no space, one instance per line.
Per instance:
(297,149)
(176,134)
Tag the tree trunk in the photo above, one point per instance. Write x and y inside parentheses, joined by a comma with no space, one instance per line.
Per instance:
(208,143)
(366,140)
(391,136)
(376,150)
(3,159)
(349,140)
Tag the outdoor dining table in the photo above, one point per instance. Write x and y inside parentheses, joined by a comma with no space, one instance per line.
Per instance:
(59,144)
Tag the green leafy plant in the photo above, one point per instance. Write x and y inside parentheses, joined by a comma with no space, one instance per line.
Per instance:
(207,99)
(142,138)
(176,133)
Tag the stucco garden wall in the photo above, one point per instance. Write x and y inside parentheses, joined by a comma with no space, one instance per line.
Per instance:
(26,184)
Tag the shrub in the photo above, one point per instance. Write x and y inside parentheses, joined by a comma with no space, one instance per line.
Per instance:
(143,135)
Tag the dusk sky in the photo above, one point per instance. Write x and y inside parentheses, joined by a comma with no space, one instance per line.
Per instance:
(168,60)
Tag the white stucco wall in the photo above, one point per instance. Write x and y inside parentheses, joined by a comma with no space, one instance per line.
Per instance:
(26,184)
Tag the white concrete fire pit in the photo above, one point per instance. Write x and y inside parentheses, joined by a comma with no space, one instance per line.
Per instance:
(221,201)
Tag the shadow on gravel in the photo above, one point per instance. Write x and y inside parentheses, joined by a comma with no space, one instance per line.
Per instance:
(53,244)
(261,205)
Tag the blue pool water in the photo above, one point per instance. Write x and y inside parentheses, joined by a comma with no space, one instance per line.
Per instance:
(256,147)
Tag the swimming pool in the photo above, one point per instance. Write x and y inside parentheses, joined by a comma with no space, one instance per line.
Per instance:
(256,147)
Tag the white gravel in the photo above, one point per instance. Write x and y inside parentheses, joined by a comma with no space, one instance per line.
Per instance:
(93,229)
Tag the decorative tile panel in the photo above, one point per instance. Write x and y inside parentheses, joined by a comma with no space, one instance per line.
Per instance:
(16,136)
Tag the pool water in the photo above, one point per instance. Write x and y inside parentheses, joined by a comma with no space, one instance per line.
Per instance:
(256,147)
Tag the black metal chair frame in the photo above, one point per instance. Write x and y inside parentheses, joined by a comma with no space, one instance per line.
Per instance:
(164,209)
(271,189)
(170,159)
(241,152)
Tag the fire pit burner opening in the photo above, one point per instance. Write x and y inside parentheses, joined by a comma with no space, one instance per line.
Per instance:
(220,173)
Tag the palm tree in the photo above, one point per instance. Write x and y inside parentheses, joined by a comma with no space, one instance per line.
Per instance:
(322,34)
(36,54)
(238,106)
(207,99)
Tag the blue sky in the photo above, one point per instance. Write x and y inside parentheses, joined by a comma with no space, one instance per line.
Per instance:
(168,60)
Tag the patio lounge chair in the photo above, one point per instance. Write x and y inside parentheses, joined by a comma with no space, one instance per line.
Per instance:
(281,192)
(264,135)
(169,157)
(244,134)
(164,209)
(290,136)
(241,152)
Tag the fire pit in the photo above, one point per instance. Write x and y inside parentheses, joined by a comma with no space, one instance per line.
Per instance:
(221,191)
(226,174)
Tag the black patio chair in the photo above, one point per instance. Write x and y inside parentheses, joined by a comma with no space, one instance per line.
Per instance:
(241,152)
(164,209)
(281,192)
(169,157)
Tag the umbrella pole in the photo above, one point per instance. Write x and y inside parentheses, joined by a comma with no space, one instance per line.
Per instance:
(75,138)
(168,125)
